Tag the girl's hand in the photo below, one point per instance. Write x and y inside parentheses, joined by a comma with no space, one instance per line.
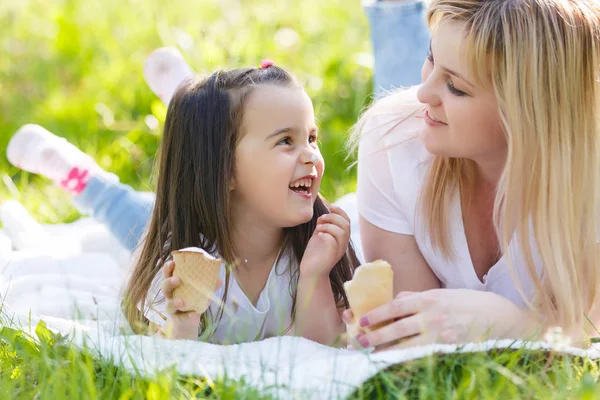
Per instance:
(328,243)
(180,324)
(443,316)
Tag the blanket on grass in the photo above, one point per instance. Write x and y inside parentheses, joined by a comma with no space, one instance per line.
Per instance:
(70,277)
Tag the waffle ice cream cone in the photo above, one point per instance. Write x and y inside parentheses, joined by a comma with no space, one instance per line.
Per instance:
(372,286)
(199,274)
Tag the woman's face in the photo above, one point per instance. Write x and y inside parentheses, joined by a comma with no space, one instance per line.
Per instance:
(461,117)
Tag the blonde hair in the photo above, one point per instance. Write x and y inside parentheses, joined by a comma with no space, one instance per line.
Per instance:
(541,58)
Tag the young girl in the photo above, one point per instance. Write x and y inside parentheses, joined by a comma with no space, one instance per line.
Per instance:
(239,174)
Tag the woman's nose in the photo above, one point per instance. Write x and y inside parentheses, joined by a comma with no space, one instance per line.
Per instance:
(428,91)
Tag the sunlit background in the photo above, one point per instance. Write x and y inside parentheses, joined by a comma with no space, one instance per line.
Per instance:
(75,67)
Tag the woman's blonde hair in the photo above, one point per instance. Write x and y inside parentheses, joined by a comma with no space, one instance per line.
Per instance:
(541,58)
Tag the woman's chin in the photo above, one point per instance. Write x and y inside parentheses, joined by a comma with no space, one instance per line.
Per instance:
(434,144)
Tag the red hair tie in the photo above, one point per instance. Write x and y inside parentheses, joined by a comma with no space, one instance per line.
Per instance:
(266,64)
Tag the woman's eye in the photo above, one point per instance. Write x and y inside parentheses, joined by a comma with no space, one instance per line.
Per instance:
(454,90)
(285,141)
(430,56)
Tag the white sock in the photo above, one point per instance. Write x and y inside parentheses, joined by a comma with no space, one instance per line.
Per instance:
(36,150)
(164,70)
(20,227)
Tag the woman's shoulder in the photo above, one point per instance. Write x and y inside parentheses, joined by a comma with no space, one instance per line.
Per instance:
(392,126)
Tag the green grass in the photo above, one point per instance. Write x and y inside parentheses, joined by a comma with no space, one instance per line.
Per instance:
(499,374)
(75,68)
(48,367)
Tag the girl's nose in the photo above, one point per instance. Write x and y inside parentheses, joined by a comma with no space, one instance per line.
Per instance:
(311,157)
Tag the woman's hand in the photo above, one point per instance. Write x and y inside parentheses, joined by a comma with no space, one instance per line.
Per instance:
(180,324)
(443,316)
(328,243)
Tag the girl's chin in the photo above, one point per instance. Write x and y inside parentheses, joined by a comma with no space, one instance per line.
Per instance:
(299,219)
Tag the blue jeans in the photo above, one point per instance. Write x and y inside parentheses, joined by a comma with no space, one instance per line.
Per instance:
(400,44)
(121,209)
(400,38)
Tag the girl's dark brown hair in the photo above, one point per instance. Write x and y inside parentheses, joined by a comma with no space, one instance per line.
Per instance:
(195,169)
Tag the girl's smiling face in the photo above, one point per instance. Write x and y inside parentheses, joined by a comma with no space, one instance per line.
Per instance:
(278,166)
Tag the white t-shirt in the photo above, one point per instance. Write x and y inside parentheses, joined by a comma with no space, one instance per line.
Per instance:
(392,166)
(241,320)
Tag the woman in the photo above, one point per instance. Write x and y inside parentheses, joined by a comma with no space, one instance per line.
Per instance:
(480,187)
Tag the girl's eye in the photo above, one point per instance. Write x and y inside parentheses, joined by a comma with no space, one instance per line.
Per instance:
(312,139)
(285,141)
(454,90)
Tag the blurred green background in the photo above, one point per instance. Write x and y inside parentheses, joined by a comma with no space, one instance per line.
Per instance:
(75,67)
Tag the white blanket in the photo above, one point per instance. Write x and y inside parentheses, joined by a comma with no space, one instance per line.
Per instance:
(70,276)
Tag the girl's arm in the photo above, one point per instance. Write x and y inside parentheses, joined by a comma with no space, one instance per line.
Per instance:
(317,315)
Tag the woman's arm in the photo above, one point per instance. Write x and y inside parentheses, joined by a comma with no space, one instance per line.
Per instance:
(448,316)
(411,271)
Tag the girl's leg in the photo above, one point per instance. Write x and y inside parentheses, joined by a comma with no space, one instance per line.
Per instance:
(96,192)
(164,70)
(124,211)
(400,42)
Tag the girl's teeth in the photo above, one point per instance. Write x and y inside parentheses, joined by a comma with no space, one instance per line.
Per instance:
(306,183)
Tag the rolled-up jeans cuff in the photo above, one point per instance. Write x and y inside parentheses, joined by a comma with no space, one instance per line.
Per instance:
(122,210)
(400,37)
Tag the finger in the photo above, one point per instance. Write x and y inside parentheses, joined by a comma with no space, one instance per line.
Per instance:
(418,340)
(186,319)
(344,230)
(168,285)
(328,238)
(340,236)
(401,329)
(398,308)
(167,269)
(175,305)
(336,219)
(348,317)
(335,231)
(404,294)
(339,211)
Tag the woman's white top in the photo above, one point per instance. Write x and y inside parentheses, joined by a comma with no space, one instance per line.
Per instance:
(392,166)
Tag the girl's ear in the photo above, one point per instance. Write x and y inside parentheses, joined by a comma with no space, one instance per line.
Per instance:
(232,185)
